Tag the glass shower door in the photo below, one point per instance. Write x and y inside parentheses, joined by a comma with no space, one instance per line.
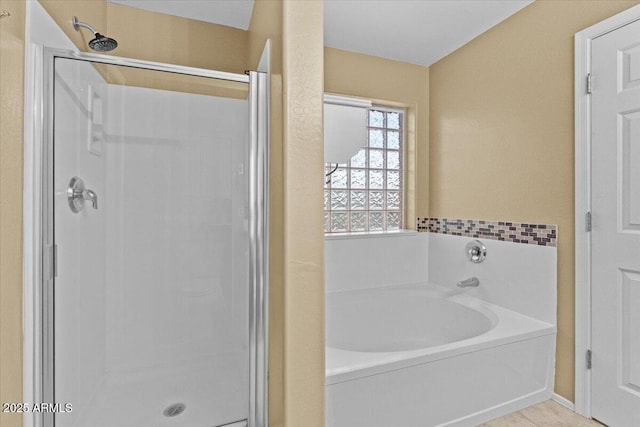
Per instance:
(151,295)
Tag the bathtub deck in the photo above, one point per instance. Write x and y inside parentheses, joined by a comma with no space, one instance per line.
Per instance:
(544,414)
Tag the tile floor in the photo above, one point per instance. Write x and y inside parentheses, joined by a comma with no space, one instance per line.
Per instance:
(545,414)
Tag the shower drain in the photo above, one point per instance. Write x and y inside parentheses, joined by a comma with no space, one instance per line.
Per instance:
(175,409)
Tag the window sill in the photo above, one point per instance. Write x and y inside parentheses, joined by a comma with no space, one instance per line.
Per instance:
(369,234)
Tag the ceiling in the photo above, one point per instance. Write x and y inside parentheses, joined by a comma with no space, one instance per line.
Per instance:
(416,31)
(419,32)
(232,13)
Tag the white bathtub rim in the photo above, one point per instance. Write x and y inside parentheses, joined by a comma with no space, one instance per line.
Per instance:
(408,295)
(448,290)
(461,296)
(346,365)
(402,360)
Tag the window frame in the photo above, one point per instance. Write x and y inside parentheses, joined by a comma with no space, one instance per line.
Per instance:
(402,111)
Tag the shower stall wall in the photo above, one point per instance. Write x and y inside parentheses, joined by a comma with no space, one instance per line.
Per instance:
(154,244)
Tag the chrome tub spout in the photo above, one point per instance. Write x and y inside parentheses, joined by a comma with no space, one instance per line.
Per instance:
(471,282)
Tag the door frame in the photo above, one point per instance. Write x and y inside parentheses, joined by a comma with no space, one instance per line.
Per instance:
(39,252)
(582,113)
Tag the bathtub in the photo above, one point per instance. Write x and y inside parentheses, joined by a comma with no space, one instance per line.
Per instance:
(426,355)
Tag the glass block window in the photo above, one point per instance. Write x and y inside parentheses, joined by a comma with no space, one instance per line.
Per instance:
(366,194)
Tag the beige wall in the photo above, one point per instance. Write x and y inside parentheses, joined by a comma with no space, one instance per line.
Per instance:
(92,12)
(164,38)
(303,87)
(11,107)
(502,135)
(398,84)
(154,36)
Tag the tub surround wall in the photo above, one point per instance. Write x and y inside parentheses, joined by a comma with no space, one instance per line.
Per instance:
(517,232)
(373,261)
(516,276)
(520,277)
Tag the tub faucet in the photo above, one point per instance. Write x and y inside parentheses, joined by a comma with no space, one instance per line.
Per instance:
(471,282)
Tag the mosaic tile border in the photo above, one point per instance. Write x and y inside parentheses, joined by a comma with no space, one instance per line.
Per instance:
(508,231)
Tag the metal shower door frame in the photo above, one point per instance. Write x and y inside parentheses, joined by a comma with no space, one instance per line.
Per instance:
(258,224)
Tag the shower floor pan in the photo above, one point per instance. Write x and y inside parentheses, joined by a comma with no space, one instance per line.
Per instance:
(199,395)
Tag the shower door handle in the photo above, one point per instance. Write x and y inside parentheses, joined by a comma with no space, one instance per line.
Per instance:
(78,193)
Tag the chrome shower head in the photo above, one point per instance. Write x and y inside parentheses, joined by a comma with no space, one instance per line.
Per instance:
(100,43)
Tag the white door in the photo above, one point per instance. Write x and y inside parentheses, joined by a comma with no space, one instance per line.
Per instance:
(616,227)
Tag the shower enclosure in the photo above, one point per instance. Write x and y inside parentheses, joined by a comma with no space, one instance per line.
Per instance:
(153,244)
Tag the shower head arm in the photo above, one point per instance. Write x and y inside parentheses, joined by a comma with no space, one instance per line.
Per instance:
(100,43)
(77,24)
